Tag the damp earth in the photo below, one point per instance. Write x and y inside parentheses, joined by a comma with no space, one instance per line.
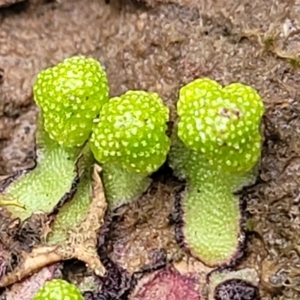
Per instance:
(160,45)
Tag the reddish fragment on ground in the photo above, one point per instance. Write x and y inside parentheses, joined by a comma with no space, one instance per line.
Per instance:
(167,284)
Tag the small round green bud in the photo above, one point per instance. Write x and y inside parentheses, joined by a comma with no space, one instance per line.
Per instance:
(222,124)
(70,96)
(58,289)
(132,131)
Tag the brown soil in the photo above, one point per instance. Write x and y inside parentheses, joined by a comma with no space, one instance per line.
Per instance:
(159,45)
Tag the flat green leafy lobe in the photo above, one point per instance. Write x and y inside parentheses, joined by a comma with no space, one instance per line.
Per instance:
(71,95)
(72,213)
(58,289)
(212,223)
(132,131)
(221,123)
(41,189)
(122,186)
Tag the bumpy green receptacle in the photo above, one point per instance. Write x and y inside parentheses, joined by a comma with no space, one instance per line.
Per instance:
(130,142)
(221,124)
(58,289)
(216,147)
(71,95)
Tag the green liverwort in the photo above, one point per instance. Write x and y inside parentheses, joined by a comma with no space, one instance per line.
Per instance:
(130,142)
(216,147)
(221,124)
(70,96)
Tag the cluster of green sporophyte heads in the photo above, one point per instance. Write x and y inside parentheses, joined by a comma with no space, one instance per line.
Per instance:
(215,147)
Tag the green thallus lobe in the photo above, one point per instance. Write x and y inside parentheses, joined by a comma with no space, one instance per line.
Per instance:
(62,176)
(216,146)
(41,189)
(130,142)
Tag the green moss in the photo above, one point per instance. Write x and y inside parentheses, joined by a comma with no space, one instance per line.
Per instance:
(294,62)
(269,42)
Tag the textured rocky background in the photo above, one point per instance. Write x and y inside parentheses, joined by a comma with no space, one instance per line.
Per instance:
(159,45)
